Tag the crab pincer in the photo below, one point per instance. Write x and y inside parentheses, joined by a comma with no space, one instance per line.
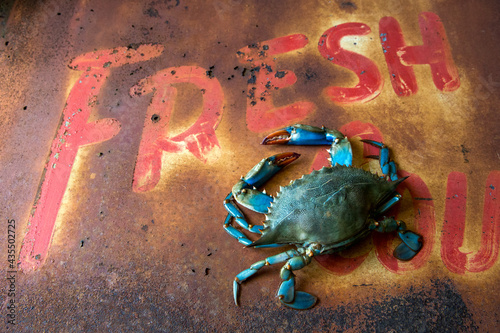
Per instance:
(298,134)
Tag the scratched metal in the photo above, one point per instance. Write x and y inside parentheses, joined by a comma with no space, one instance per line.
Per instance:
(158,259)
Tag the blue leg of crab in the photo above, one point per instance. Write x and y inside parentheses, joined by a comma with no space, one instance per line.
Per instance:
(282,257)
(286,293)
(388,167)
(246,194)
(391,201)
(340,151)
(411,242)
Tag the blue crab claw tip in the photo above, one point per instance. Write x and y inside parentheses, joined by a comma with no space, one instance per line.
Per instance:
(403,252)
(302,301)
(412,240)
(373,143)
(235,292)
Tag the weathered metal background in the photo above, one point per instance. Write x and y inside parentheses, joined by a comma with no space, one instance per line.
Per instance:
(129,258)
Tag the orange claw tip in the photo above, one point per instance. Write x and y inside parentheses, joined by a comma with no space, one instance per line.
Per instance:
(284,159)
(276,138)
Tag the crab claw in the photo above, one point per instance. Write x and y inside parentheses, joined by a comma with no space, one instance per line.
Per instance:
(303,135)
(277,138)
(268,167)
(301,301)
(411,245)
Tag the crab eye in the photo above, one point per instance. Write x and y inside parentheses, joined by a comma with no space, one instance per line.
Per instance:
(336,141)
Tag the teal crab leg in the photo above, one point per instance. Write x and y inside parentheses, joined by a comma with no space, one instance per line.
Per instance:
(286,293)
(246,194)
(242,276)
(235,213)
(411,242)
(388,167)
(298,134)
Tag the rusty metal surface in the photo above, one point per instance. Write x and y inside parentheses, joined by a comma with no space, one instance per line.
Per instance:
(158,259)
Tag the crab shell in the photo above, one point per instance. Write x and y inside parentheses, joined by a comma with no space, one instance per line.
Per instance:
(331,207)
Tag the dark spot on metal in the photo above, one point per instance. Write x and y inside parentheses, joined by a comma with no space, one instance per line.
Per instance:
(151,12)
(252,80)
(210,72)
(82,242)
(173,72)
(107,64)
(251,94)
(280,74)
(207,270)
(347,6)
(427,199)
(144,228)
(25,107)
(133,46)
(464,153)
(310,75)
(155,118)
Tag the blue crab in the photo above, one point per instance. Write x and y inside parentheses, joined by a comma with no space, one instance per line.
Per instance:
(323,212)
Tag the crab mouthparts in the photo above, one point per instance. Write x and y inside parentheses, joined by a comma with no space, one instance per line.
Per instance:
(276,138)
(285,158)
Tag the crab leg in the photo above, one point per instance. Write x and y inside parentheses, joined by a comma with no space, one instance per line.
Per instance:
(286,293)
(411,242)
(388,167)
(298,134)
(235,213)
(282,257)
(246,194)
